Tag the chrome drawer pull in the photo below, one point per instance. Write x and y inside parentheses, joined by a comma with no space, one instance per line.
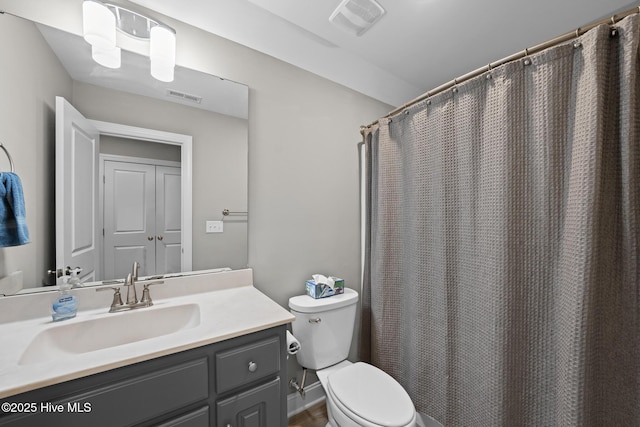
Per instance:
(316,320)
(253,366)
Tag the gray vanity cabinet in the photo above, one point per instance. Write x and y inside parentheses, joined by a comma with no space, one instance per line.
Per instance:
(237,382)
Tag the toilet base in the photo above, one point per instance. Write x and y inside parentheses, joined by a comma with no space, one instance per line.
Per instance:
(338,418)
(323,375)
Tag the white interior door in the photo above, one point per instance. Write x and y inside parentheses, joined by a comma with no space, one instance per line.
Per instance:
(168,220)
(77,148)
(129,218)
(142,218)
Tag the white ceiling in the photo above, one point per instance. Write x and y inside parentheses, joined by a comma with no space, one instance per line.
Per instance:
(216,94)
(416,46)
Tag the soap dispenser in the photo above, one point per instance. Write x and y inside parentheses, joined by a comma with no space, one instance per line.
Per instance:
(65,306)
(74,278)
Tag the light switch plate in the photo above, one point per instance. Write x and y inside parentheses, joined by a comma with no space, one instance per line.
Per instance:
(215,226)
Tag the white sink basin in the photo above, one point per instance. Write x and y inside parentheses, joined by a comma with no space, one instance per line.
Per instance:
(109,331)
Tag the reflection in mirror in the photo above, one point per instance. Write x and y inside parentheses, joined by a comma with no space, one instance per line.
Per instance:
(213,111)
(131,196)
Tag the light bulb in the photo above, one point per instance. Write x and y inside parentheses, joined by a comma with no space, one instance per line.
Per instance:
(162,52)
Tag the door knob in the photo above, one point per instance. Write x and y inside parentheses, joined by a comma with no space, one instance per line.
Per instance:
(160,237)
(150,238)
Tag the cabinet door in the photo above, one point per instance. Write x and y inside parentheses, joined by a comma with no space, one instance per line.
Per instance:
(257,407)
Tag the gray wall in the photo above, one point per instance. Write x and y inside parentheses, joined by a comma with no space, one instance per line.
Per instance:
(27,117)
(303,164)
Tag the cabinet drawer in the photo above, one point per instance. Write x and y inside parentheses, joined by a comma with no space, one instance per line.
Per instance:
(258,407)
(126,403)
(243,365)
(198,418)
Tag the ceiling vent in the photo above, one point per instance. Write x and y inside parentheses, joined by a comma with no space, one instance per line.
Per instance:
(357,16)
(185,96)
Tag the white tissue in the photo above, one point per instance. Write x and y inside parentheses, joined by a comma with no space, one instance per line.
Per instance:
(293,345)
(324,280)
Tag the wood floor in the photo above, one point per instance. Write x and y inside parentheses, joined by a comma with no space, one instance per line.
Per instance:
(315,416)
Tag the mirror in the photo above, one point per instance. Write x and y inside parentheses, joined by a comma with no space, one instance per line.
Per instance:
(46,62)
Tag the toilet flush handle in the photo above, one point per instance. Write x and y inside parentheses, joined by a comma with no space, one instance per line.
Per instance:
(316,320)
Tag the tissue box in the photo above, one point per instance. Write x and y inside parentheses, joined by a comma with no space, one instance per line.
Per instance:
(320,290)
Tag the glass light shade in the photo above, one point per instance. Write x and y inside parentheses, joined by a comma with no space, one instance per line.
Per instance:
(98,24)
(110,58)
(162,71)
(162,52)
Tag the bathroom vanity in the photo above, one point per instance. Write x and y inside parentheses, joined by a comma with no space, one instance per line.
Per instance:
(226,369)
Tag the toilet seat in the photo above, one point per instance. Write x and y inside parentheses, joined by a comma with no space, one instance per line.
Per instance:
(370,397)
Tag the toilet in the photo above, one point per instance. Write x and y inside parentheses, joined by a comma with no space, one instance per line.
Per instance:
(357,394)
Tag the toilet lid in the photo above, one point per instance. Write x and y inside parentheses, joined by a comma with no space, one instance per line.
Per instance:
(372,395)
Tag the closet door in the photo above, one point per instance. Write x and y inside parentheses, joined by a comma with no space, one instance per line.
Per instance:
(129,218)
(168,219)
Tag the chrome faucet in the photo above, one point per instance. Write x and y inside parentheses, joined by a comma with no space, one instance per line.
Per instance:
(135,269)
(130,283)
(132,297)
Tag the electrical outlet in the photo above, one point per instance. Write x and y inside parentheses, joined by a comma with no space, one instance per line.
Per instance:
(214,226)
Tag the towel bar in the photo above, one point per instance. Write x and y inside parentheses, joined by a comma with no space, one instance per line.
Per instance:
(227,212)
(8,156)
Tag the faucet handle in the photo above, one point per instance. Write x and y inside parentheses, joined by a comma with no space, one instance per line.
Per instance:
(146,295)
(117,299)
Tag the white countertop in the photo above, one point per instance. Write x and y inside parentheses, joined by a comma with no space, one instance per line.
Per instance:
(228,308)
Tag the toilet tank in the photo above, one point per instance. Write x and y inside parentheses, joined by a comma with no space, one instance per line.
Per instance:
(324,328)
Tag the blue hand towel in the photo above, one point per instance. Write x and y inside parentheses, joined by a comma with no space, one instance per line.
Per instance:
(13,221)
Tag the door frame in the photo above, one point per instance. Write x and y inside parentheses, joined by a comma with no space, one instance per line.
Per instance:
(185,142)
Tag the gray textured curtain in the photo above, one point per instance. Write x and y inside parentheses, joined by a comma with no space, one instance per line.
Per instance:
(503,248)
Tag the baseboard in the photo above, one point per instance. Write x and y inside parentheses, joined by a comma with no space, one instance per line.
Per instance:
(314,394)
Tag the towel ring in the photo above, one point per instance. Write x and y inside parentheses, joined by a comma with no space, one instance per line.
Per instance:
(8,156)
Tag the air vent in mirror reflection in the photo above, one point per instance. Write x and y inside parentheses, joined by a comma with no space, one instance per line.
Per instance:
(187,97)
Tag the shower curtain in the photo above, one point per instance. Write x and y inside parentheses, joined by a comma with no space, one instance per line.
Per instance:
(502,241)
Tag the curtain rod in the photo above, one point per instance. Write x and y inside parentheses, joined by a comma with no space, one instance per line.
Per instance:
(523,54)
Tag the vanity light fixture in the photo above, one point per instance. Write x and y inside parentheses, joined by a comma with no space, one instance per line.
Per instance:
(102,20)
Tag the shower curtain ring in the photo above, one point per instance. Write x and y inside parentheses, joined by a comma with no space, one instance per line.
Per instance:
(488,72)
